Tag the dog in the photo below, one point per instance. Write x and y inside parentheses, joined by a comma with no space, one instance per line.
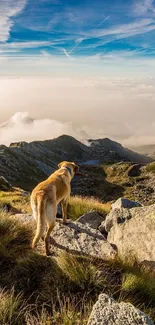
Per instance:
(47,195)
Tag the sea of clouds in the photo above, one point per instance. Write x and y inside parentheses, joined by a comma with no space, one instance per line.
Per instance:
(122,109)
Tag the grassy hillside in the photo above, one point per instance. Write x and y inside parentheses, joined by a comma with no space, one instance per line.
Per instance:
(60,290)
(105,184)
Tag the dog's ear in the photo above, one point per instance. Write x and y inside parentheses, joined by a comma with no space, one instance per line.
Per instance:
(76,168)
(60,164)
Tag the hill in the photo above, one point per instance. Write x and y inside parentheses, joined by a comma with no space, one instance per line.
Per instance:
(147,150)
(62,289)
(25,164)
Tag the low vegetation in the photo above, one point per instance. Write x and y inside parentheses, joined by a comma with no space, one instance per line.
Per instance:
(15,199)
(60,290)
(79,205)
(150,168)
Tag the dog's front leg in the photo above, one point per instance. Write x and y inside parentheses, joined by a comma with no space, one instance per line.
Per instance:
(64,205)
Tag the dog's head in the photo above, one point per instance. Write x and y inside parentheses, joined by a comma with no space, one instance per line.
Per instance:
(70,165)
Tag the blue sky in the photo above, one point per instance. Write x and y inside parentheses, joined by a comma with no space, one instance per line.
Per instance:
(62,36)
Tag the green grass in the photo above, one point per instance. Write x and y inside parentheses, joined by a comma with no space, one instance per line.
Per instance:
(115,172)
(84,277)
(79,205)
(15,198)
(61,290)
(150,168)
(140,284)
(11,308)
(14,310)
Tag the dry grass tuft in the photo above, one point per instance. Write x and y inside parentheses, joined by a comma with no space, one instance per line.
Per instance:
(79,205)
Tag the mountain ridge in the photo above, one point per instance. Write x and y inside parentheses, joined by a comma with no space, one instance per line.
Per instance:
(25,164)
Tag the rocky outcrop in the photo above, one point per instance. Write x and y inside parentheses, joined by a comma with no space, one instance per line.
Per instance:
(25,218)
(92,219)
(133,232)
(118,208)
(125,203)
(134,171)
(120,214)
(80,239)
(107,311)
(75,238)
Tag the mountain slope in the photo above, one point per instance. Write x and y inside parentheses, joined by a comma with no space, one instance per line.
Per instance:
(115,151)
(25,164)
(147,150)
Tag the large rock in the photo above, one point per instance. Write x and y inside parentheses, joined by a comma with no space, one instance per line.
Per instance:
(134,170)
(74,238)
(92,219)
(120,214)
(80,239)
(118,208)
(125,203)
(133,232)
(107,311)
(25,218)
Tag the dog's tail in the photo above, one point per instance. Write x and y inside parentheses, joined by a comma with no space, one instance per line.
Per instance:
(40,209)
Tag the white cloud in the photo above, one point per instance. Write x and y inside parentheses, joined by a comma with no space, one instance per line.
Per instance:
(118,108)
(24,45)
(22,127)
(143,7)
(125,30)
(45,54)
(8,10)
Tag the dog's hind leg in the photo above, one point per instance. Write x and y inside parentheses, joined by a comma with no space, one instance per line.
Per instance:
(41,222)
(34,208)
(51,210)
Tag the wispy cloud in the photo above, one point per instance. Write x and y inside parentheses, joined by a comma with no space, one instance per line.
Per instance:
(143,7)
(8,10)
(130,28)
(66,53)
(82,39)
(123,31)
(45,54)
(24,45)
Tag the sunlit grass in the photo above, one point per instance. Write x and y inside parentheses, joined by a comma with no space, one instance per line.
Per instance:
(79,205)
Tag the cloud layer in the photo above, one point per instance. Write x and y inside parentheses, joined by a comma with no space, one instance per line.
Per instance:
(119,108)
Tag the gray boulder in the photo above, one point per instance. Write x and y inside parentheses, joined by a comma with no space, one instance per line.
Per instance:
(80,239)
(125,203)
(133,232)
(107,311)
(92,219)
(121,209)
(120,214)
(75,238)
(25,218)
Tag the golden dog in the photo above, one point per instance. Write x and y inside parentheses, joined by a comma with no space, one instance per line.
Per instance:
(47,195)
